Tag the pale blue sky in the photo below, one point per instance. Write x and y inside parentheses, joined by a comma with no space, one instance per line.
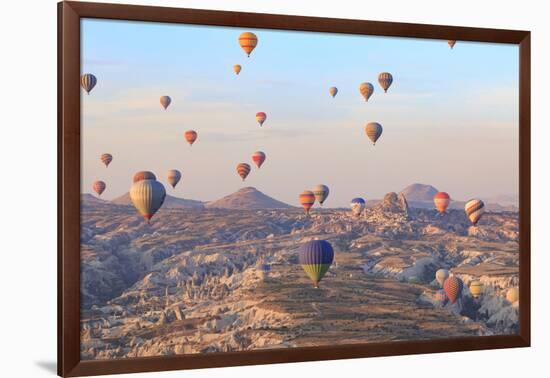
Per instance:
(450,118)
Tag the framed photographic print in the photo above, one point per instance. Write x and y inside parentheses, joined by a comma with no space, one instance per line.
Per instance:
(239,188)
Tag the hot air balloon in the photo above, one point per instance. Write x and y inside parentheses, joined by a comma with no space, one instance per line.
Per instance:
(263,271)
(321,193)
(143,175)
(307,199)
(441,297)
(190,136)
(88,82)
(441,275)
(147,197)
(333,91)
(165,101)
(315,257)
(451,43)
(476,289)
(237,68)
(258,158)
(512,295)
(261,117)
(366,90)
(173,176)
(442,201)
(357,206)
(106,159)
(373,130)
(99,187)
(243,170)
(385,79)
(248,42)
(453,288)
(474,210)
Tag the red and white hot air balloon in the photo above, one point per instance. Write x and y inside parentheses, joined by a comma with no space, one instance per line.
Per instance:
(258,158)
(442,201)
(261,117)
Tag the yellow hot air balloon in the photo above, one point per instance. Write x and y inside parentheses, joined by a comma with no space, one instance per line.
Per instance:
(476,289)
(373,131)
(366,90)
(512,295)
(248,42)
(147,197)
(237,68)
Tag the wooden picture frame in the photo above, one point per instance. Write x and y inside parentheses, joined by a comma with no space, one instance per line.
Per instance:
(69,165)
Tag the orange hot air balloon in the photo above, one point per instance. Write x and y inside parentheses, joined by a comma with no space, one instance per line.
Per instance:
(237,68)
(258,158)
(451,43)
(99,187)
(190,136)
(248,42)
(243,170)
(261,117)
(106,159)
(442,201)
(307,199)
(143,175)
(453,288)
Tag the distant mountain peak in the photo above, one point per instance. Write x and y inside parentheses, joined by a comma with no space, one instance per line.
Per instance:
(419,192)
(248,198)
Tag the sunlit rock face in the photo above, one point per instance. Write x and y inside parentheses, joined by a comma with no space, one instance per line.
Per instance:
(189,283)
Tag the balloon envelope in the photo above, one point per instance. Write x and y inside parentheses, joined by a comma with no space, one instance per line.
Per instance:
(307,199)
(373,131)
(442,201)
(258,158)
(143,175)
(173,176)
(321,193)
(261,117)
(237,68)
(106,159)
(476,289)
(315,257)
(88,82)
(357,206)
(453,288)
(451,43)
(512,295)
(191,136)
(474,210)
(248,42)
(243,170)
(366,90)
(385,79)
(165,101)
(333,91)
(99,187)
(147,197)
(441,275)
